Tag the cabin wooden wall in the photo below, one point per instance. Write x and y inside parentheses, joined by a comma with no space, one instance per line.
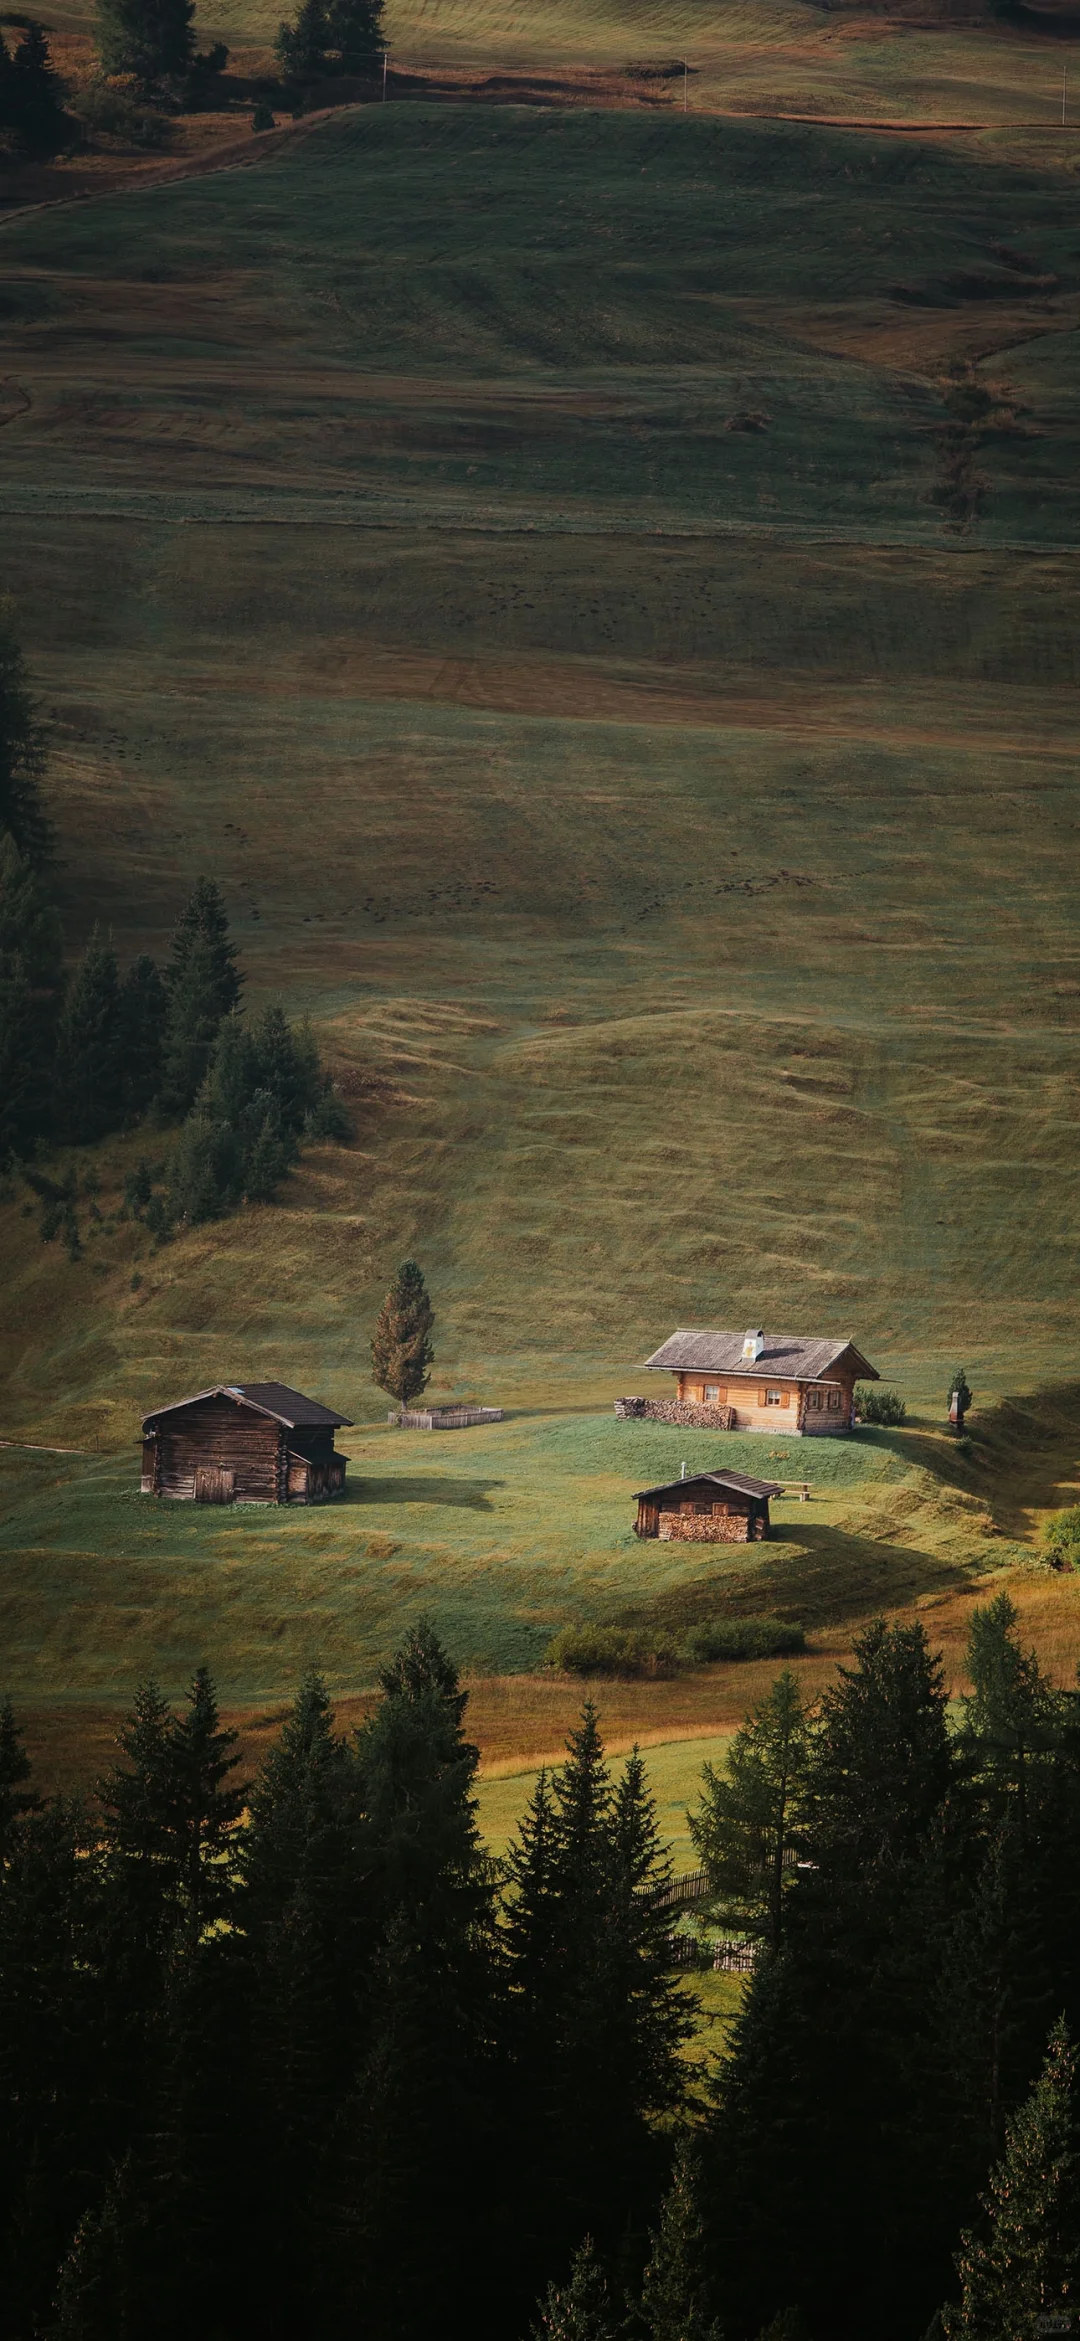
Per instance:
(694,1518)
(215,1432)
(753,1413)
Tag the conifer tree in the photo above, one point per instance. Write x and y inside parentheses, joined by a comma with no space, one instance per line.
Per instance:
(34,94)
(170,1813)
(303,47)
(674,2303)
(153,40)
(420,2117)
(749,1823)
(143,1012)
(203,984)
(22,750)
(597,2018)
(401,1351)
(89,1063)
(582,2308)
(31,987)
(1026,2266)
(1013,1719)
(355,33)
(15,1770)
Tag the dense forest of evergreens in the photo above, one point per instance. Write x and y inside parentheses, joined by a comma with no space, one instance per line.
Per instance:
(294,2057)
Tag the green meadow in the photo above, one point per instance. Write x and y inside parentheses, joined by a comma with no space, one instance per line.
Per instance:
(516,551)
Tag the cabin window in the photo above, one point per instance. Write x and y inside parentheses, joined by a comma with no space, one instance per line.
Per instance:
(712,1391)
(774,1397)
(836,1400)
(813,1398)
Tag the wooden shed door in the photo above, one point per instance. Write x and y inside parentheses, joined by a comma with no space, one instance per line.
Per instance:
(213,1485)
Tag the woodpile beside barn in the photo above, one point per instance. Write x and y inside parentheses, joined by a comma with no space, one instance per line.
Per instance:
(713,1507)
(244,1442)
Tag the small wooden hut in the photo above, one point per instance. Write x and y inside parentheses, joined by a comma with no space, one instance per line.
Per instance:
(246,1442)
(715,1507)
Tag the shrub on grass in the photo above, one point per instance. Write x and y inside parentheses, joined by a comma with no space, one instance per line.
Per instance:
(733,1638)
(879,1406)
(119,116)
(625,1651)
(1061,1539)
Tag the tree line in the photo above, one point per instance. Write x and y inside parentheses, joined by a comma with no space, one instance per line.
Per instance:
(285,2055)
(105,1050)
(294,2055)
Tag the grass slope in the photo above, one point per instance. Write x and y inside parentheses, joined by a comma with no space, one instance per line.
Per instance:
(669,822)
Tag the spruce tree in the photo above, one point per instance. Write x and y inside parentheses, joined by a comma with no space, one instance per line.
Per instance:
(750,1821)
(35,92)
(206,1172)
(581,2309)
(674,2305)
(143,1011)
(89,1064)
(828,2180)
(303,47)
(597,2019)
(15,1770)
(1024,2267)
(153,40)
(203,984)
(407,2227)
(1013,1719)
(31,988)
(401,1351)
(356,33)
(170,1813)
(22,750)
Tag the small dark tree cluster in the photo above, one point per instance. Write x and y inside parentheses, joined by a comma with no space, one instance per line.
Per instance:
(32,111)
(330,37)
(96,1053)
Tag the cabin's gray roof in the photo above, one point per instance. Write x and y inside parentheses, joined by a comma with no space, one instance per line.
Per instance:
(273,1398)
(739,1480)
(696,1350)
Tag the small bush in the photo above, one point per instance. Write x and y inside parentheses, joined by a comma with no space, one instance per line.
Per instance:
(742,1638)
(879,1405)
(626,1651)
(111,110)
(263,115)
(1061,1539)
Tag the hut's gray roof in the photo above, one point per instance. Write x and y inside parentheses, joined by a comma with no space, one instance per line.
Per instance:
(696,1350)
(273,1398)
(740,1481)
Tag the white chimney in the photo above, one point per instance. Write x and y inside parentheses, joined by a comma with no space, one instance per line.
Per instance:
(753,1344)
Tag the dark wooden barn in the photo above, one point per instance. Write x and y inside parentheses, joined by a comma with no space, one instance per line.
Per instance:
(715,1507)
(246,1442)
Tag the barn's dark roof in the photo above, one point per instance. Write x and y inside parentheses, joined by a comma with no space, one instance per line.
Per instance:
(274,1398)
(740,1481)
(695,1350)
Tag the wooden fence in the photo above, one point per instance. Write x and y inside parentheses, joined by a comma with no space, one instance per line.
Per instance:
(691,1888)
(723,1958)
(442,1418)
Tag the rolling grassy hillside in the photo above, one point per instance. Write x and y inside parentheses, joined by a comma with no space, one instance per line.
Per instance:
(516,552)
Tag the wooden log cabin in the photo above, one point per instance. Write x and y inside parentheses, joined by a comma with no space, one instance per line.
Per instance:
(244,1442)
(771,1381)
(714,1507)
